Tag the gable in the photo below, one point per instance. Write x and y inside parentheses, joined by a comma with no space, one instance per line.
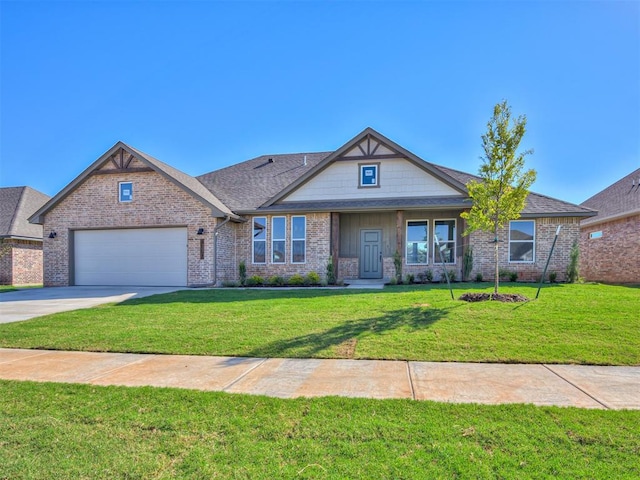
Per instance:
(399,174)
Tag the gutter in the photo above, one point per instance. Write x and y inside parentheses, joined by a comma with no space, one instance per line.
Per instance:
(215,247)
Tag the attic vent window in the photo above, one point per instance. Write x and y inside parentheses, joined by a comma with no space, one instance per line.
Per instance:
(597,234)
(125,192)
(369,175)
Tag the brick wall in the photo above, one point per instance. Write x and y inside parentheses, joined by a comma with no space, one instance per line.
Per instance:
(156,202)
(318,238)
(20,262)
(545,229)
(615,256)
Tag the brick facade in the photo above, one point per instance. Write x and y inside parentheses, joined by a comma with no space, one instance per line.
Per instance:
(545,230)
(157,202)
(20,262)
(236,244)
(613,257)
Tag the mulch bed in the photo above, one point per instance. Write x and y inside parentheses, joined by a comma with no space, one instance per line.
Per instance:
(498,297)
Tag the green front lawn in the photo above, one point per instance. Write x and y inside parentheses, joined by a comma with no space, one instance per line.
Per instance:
(81,431)
(588,324)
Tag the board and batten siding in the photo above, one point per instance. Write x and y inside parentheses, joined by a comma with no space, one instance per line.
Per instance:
(398,178)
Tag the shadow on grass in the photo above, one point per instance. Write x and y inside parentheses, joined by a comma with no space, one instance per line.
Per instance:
(345,336)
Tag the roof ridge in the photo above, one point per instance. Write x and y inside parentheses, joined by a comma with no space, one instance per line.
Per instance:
(16,210)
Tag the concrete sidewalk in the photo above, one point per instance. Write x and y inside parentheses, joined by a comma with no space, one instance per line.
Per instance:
(561,385)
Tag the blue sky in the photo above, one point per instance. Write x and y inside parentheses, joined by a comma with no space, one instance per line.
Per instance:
(202,85)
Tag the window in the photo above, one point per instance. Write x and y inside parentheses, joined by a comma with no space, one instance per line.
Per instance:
(597,234)
(298,239)
(522,240)
(278,239)
(259,240)
(417,242)
(369,175)
(125,191)
(445,230)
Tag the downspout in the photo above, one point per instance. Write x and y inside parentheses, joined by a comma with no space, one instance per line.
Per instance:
(215,248)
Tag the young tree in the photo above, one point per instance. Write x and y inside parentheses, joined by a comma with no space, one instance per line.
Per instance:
(501,194)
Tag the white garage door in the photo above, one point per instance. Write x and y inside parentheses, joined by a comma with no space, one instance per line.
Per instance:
(145,256)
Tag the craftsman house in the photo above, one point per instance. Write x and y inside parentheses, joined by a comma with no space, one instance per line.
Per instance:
(610,241)
(130,219)
(20,241)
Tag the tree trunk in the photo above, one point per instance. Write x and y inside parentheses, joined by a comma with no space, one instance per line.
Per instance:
(495,288)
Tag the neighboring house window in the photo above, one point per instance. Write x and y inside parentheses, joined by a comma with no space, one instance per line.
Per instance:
(445,230)
(369,175)
(522,234)
(125,191)
(417,242)
(278,239)
(259,239)
(597,234)
(298,239)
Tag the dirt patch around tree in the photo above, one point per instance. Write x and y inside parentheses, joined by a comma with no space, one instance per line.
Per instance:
(498,297)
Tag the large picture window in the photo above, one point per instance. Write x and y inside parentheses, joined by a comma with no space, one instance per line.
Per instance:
(522,245)
(445,230)
(259,239)
(278,239)
(298,239)
(417,242)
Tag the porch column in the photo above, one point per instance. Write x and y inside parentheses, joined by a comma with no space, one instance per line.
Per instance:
(399,231)
(335,240)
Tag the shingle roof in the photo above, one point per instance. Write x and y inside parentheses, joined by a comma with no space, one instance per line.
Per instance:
(537,204)
(372,204)
(247,185)
(620,199)
(17,204)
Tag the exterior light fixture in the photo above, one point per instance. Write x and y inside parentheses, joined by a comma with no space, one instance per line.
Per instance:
(200,231)
(53,234)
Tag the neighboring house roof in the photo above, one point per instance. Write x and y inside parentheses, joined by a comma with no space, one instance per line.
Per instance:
(619,200)
(175,176)
(17,204)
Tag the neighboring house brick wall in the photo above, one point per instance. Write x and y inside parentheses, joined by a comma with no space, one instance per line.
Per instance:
(483,250)
(157,202)
(614,257)
(20,262)
(318,237)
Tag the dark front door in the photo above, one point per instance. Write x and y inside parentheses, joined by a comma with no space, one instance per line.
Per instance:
(371,254)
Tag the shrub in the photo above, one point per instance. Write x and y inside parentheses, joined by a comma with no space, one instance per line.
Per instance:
(393,281)
(331,272)
(312,278)
(479,277)
(276,281)
(296,280)
(242,270)
(450,273)
(229,284)
(397,264)
(409,278)
(467,263)
(254,281)
(513,276)
(552,277)
(426,277)
(573,272)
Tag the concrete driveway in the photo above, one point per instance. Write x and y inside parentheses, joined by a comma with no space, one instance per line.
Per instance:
(35,302)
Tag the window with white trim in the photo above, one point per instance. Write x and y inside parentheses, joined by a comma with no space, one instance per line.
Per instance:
(445,230)
(259,253)
(125,192)
(278,239)
(369,175)
(298,239)
(417,240)
(522,244)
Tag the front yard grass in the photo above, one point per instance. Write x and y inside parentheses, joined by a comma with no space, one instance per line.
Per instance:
(583,324)
(82,431)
